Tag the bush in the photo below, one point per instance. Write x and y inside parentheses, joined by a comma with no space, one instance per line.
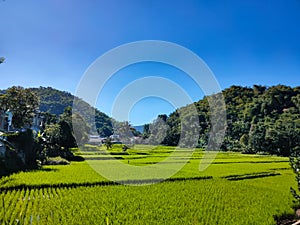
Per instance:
(25,146)
(76,158)
(56,161)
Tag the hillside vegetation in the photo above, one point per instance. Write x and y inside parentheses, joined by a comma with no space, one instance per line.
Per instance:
(55,101)
(259,119)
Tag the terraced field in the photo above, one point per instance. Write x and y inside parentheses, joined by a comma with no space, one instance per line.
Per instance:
(234,189)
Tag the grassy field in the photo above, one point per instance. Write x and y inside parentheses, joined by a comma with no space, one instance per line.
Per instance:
(234,189)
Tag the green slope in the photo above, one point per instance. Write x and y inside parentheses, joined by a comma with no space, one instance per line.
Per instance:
(55,101)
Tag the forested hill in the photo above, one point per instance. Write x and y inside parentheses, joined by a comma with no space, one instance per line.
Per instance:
(259,119)
(55,101)
(52,100)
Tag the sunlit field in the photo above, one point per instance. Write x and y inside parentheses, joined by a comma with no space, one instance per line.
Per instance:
(234,189)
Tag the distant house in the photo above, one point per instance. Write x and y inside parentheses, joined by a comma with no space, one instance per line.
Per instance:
(115,137)
(6,118)
(37,121)
(136,140)
(95,140)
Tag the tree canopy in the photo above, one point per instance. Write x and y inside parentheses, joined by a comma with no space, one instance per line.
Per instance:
(22,102)
(55,102)
(259,119)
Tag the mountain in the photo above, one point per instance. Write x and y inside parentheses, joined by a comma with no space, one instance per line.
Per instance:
(55,101)
(259,119)
(139,128)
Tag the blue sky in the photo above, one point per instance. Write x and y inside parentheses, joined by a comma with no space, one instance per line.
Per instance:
(52,43)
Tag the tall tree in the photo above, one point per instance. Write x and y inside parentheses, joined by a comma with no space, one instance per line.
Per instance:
(23,103)
(80,128)
(67,139)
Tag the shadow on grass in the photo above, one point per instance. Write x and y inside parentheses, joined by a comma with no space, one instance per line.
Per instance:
(6,180)
(142,153)
(104,158)
(238,162)
(100,183)
(118,153)
(162,162)
(285,168)
(46,169)
(285,219)
(250,176)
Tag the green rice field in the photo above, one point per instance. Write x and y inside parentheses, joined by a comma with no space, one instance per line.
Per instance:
(234,189)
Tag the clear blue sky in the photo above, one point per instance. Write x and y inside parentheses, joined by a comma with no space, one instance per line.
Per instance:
(52,42)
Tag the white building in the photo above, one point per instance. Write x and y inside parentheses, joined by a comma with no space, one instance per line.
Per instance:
(5,120)
(95,140)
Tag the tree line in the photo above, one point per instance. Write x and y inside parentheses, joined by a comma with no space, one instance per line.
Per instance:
(28,148)
(55,102)
(259,119)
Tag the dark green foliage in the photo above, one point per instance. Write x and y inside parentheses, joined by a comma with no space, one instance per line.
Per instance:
(25,145)
(23,103)
(10,163)
(54,102)
(51,143)
(21,153)
(158,130)
(108,143)
(48,118)
(125,148)
(295,164)
(56,136)
(21,150)
(59,138)
(81,129)
(259,119)
(146,132)
(67,139)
